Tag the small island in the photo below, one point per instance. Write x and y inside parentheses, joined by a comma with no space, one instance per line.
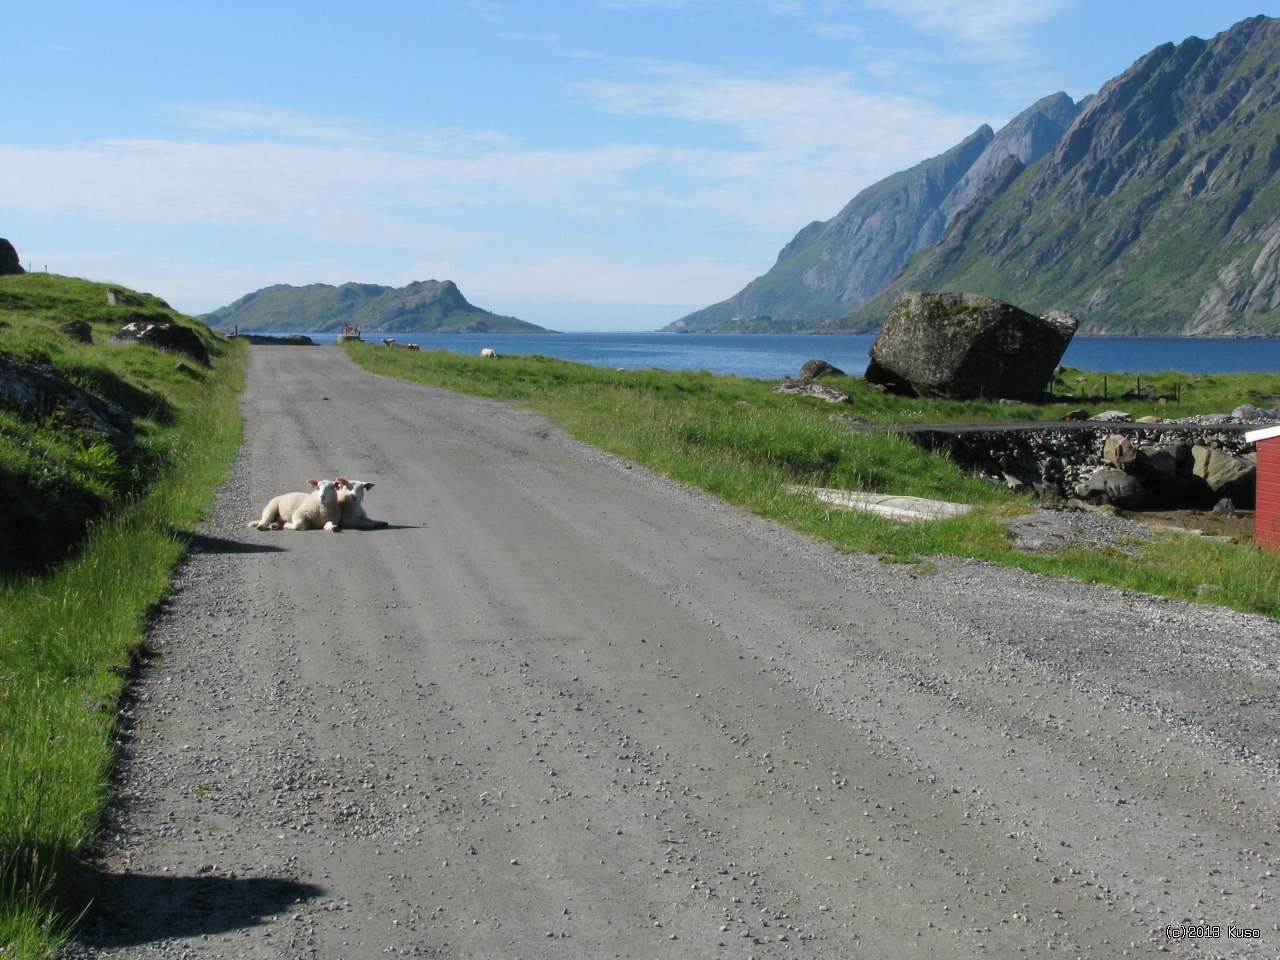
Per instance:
(424,306)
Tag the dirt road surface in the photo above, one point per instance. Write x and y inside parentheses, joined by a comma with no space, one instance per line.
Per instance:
(564,708)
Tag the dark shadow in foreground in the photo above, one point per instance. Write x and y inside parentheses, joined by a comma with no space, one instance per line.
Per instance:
(131,909)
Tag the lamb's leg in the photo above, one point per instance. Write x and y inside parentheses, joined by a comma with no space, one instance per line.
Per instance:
(270,518)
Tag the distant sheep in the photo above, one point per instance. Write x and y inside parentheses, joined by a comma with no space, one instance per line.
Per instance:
(488,352)
(388,343)
(351,504)
(315,510)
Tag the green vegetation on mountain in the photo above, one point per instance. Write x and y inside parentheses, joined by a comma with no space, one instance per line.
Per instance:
(1156,211)
(425,306)
(1157,214)
(90,539)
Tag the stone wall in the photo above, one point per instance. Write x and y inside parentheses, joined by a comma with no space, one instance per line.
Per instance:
(1168,463)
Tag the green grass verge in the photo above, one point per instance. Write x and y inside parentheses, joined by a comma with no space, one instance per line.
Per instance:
(734,438)
(70,631)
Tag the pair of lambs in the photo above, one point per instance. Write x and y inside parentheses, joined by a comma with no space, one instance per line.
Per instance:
(331,505)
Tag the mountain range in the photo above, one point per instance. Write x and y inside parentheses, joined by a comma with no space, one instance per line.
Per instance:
(425,306)
(1152,208)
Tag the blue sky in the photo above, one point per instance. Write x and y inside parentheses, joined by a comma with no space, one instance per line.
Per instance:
(586,165)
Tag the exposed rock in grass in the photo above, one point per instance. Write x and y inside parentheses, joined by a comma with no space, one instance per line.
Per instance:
(77,330)
(39,390)
(164,336)
(817,369)
(807,388)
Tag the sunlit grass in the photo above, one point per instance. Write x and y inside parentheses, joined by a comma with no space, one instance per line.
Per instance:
(70,632)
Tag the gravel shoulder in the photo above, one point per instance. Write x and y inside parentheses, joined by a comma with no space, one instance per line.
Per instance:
(562,707)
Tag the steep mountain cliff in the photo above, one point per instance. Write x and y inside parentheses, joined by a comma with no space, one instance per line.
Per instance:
(1158,212)
(837,264)
(425,306)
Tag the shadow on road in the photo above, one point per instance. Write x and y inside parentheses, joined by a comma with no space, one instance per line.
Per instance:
(132,909)
(199,543)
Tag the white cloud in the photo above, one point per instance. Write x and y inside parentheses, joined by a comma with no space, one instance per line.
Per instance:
(805,142)
(315,197)
(807,113)
(977,29)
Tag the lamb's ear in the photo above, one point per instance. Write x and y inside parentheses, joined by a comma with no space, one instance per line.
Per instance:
(344,482)
(368,486)
(314,483)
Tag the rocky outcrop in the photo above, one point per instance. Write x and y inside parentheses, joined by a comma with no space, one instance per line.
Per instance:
(164,336)
(41,391)
(9,262)
(963,346)
(1028,137)
(1248,286)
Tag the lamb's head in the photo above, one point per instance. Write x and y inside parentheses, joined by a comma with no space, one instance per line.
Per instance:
(327,490)
(353,489)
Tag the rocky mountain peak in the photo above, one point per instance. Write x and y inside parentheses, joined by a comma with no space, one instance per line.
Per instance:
(832,265)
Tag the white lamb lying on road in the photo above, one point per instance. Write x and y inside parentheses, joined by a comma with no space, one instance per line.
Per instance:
(303,511)
(351,503)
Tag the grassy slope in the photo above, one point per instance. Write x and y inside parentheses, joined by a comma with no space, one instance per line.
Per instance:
(734,438)
(69,631)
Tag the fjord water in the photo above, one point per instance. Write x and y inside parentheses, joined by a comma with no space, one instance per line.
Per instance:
(774,356)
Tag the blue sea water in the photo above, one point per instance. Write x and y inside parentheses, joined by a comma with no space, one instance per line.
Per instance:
(773,356)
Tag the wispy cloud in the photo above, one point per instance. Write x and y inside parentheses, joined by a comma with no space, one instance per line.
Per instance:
(724,167)
(976,28)
(787,141)
(805,113)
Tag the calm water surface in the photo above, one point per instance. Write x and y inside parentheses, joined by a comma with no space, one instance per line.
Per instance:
(773,356)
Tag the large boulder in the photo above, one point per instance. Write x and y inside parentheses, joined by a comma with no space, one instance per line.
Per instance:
(1226,475)
(9,262)
(39,390)
(1109,485)
(1118,452)
(966,346)
(173,337)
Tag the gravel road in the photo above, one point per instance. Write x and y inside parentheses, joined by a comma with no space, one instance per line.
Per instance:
(564,708)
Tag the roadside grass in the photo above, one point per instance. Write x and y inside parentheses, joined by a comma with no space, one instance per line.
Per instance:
(72,624)
(734,438)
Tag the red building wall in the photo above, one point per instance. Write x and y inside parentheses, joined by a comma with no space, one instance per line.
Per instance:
(1267,518)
